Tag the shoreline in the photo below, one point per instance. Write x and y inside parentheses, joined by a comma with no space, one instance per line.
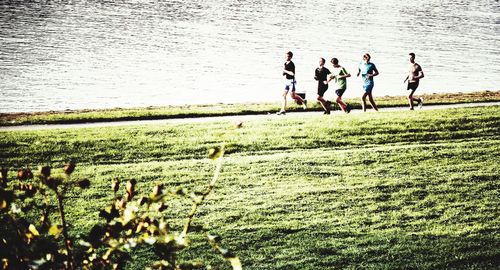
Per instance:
(220,109)
(237,119)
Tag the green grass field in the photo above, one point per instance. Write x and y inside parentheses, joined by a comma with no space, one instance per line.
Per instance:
(389,190)
(121,114)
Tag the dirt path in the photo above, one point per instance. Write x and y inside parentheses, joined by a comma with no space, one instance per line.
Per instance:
(234,118)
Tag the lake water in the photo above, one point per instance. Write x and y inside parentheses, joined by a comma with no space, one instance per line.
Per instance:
(71,54)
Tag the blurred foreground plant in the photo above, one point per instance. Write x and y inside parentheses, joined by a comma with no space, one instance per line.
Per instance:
(30,240)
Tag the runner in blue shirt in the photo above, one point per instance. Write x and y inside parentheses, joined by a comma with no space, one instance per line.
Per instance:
(367,70)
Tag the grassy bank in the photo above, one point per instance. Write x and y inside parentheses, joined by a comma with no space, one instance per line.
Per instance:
(391,190)
(150,113)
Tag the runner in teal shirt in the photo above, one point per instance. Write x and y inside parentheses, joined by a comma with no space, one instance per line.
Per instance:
(367,70)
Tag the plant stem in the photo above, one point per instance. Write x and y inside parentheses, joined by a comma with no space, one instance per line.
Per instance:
(197,203)
(65,229)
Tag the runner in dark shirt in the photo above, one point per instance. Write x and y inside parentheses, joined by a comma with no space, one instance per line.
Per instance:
(289,66)
(321,73)
(290,84)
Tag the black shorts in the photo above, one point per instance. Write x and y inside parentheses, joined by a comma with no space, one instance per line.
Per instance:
(339,92)
(412,86)
(322,89)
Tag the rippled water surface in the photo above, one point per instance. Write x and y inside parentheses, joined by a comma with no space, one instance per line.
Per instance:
(57,55)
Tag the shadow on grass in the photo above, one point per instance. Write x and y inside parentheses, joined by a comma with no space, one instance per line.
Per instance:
(320,249)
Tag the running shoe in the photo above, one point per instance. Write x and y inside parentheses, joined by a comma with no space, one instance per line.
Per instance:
(281,113)
(304,105)
(348,108)
(421,103)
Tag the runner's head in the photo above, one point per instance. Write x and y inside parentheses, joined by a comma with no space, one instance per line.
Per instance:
(322,61)
(412,57)
(289,55)
(366,57)
(335,61)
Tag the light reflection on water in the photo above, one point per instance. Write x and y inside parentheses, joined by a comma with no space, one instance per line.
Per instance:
(58,55)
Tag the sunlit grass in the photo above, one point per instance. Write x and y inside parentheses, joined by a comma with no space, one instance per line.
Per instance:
(120,114)
(392,190)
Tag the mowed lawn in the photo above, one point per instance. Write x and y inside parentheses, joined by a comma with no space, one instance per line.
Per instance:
(388,190)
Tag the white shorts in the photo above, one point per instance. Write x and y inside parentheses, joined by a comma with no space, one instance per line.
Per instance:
(290,85)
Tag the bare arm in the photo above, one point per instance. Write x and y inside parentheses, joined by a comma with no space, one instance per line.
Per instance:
(420,74)
(330,78)
(375,73)
(345,76)
(328,75)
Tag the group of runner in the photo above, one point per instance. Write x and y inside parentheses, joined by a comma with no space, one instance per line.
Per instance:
(338,75)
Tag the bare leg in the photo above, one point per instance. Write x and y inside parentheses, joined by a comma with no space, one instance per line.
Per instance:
(372,102)
(283,102)
(298,99)
(363,101)
(341,103)
(411,99)
(324,104)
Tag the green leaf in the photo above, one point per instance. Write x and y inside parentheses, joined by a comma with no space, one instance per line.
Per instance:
(55,230)
(33,230)
(215,153)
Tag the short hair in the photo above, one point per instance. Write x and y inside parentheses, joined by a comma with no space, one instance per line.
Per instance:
(411,54)
(367,56)
(289,53)
(335,61)
(322,59)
